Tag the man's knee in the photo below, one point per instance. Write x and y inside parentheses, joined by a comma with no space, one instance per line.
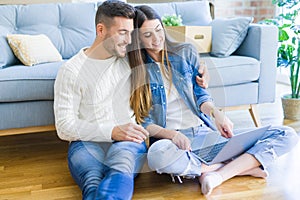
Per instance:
(126,157)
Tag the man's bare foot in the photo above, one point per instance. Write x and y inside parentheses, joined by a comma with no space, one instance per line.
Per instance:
(256,172)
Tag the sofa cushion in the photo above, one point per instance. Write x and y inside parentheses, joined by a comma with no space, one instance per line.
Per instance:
(201,18)
(26,114)
(33,49)
(228,34)
(235,95)
(231,70)
(21,83)
(70,27)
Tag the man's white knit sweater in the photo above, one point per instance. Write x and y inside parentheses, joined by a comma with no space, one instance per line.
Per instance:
(91,97)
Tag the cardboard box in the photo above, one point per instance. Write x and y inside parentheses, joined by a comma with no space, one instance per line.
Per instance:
(200,36)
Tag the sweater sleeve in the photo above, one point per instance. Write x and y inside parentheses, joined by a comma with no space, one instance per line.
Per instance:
(67,97)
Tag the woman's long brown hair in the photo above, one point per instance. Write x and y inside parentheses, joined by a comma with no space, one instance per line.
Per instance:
(140,100)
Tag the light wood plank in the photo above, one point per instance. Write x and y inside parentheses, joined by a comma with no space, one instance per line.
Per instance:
(36,129)
(21,189)
(71,192)
(43,178)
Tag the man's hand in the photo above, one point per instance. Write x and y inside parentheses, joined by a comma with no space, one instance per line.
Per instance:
(181,141)
(203,80)
(129,132)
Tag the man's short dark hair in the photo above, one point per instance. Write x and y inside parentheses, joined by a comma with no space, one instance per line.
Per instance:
(112,8)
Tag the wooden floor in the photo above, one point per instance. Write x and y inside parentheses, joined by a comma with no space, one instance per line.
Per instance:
(34,166)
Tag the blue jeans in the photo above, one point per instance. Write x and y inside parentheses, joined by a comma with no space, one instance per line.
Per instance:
(106,170)
(275,142)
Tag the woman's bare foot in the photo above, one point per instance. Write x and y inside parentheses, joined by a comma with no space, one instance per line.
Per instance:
(256,172)
(209,181)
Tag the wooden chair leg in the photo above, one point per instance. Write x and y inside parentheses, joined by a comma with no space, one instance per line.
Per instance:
(252,109)
(255,115)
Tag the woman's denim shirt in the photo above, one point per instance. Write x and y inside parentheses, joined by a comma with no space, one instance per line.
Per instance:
(185,65)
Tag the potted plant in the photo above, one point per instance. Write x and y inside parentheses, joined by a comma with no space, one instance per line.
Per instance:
(288,54)
(172,20)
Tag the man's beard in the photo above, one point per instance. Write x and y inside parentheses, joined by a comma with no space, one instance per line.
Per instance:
(111,47)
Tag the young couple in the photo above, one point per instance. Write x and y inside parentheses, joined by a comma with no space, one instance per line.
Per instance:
(107,105)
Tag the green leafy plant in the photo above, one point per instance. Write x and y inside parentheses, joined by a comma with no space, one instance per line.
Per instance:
(172,20)
(288,54)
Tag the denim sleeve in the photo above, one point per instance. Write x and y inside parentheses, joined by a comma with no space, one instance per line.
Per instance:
(201,95)
(148,120)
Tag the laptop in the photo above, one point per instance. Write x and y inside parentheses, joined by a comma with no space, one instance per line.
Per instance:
(213,148)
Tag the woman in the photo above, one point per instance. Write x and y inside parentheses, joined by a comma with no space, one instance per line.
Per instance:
(173,107)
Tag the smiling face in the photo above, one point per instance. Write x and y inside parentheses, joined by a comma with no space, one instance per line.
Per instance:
(118,36)
(152,36)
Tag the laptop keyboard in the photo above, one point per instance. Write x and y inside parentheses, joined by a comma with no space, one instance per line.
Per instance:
(210,152)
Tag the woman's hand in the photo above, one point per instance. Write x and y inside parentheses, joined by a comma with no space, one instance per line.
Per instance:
(179,139)
(203,79)
(223,123)
(182,141)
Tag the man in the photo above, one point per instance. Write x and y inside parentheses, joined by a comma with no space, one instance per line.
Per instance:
(92,110)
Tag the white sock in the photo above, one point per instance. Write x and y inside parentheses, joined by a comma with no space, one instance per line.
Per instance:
(210,181)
